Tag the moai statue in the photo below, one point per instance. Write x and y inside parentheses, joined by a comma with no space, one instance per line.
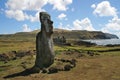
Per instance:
(44,42)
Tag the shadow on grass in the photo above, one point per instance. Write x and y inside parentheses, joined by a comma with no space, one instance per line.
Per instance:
(23,73)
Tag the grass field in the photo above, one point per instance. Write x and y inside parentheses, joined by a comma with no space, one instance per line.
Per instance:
(105,66)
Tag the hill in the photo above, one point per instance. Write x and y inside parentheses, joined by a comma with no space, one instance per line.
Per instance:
(83,34)
(74,34)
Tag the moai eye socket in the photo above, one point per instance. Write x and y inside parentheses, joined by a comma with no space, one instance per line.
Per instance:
(50,22)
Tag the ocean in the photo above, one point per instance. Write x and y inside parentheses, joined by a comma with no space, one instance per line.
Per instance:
(105,41)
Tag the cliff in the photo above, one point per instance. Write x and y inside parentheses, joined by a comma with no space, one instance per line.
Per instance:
(83,34)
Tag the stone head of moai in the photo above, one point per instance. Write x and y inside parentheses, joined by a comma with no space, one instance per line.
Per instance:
(46,23)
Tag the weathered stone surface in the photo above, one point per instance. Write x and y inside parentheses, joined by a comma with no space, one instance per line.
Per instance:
(44,43)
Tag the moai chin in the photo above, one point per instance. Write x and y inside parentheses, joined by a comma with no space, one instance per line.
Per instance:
(44,43)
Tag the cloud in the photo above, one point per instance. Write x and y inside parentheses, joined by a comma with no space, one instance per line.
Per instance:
(16,14)
(113,26)
(35,17)
(26,4)
(84,24)
(26,28)
(34,5)
(66,27)
(19,15)
(60,5)
(62,16)
(93,6)
(18,9)
(104,9)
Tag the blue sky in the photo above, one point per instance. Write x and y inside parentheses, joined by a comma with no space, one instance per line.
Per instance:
(91,15)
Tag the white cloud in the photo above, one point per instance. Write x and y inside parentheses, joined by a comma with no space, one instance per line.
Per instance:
(26,4)
(93,6)
(16,14)
(62,16)
(26,28)
(84,24)
(17,9)
(60,5)
(104,9)
(66,27)
(34,18)
(113,26)
(19,15)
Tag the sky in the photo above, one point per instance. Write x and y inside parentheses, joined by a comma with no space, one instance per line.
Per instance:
(91,15)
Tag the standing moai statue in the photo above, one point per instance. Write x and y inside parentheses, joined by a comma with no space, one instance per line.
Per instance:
(44,42)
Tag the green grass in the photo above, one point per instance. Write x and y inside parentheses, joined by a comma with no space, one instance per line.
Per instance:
(8,45)
(84,48)
(114,53)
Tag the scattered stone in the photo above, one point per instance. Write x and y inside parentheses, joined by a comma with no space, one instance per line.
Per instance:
(44,70)
(67,67)
(73,62)
(24,66)
(24,62)
(67,60)
(59,59)
(4,57)
(5,61)
(63,60)
(90,53)
(60,69)
(52,70)
(14,58)
(21,53)
(15,52)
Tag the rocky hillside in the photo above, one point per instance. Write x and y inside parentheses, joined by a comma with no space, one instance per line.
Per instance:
(74,34)
(83,34)
(80,34)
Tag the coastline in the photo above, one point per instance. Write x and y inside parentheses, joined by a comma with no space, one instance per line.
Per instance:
(104,41)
